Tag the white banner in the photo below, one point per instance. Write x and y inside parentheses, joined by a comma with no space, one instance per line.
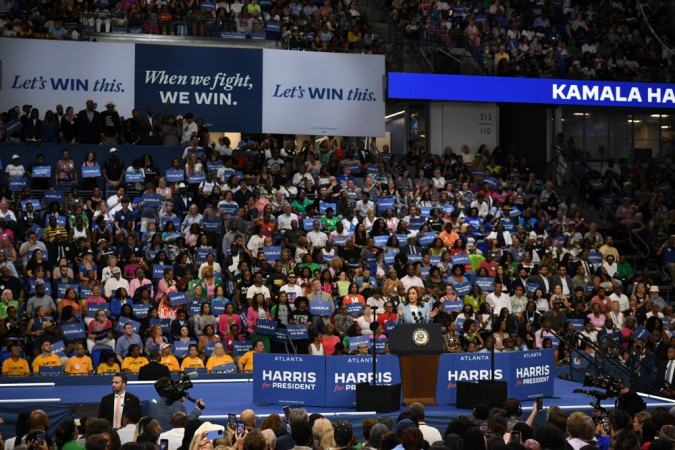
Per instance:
(323,93)
(46,73)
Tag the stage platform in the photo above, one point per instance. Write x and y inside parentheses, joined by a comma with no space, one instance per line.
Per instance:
(222,396)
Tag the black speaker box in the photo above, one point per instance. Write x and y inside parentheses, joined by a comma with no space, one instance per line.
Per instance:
(491,393)
(381,399)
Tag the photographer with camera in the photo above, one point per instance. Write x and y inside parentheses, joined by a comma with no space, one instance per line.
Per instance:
(172,396)
(648,360)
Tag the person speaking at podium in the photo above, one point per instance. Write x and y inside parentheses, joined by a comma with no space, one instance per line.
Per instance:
(414,310)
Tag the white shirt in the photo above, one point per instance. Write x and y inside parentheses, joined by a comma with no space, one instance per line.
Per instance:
(126,434)
(483,208)
(670,368)
(113,284)
(624,304)
(409,282)
(284,221)
(430,434)
(187,133)
(497,303)
(253,290)
(317,238)
(174,436)
(299,292)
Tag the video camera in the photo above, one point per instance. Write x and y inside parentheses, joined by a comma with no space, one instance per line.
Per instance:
(174,390)
(612,387)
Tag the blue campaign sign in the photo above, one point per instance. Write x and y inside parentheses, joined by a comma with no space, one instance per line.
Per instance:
(418,86)
(531,287)
(425,211)
(39,231)
(152,199)
(289,379)
(59,348)
(319,308)
(578,324)
(214,166)
(181,348)
(515,212)
(589,288)
(16,184)
(164,323)
(73,331)
(508,226)
(417,221)
(229,209)
(35,283)
(13,126)
(208,350)
(380,344)
(241,347)
(447,209)
(616,336)
(232,99)
(196,178)
(268,327)
(354,309)
(434,260)
(37,206)
(414,258)
(175,175)
(176,221)
(214,225)
(224,368)
(218,308)
(428,238)
(460,258)
(478,173)
(595,257)
(61,289)
(323,206)
(195,309)
(308,224)
(356,340)
(462,288)
(454,367)
(53,196)
(391,324)
(158,270)
(61,221)
(340,241)
(354,167)
(280,336)
(424,273)
(93,307)
(491,181)
(272,253)
(95,171)
(372,170)
(641,332)
(51,370)
(273,26)
(381,241)
(177,298)
(343,373)
(134,323)
(384,204)
(530,374)
(202,252)
(297,332)
(389,258)
(141,310)
(485,283)
(452,306)
(209,6)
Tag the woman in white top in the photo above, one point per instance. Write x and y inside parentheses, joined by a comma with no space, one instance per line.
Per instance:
(163,190)
(316,347)
(365,320)
(616,315)
(15,169)
(370,219)
(438,180)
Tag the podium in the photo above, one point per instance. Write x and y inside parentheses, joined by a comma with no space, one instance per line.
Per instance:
(418,347)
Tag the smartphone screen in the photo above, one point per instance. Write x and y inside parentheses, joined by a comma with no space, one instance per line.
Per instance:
(232,421)
(164,444)
(515,437)
(241,428)
(40,438)
(540,403)
(317,441)
(287,411)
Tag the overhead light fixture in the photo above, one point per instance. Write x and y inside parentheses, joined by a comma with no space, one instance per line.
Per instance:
(665,127)
(394,115)
(634,121)
(659,115)
(581,114)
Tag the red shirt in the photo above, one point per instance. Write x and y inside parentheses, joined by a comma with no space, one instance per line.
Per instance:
(382,319)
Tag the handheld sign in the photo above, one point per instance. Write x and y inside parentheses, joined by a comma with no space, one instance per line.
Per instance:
(380,345)
(462,288)
(391,324)
(202,252)
(595,258)
(152,199)
(319,308)
(229,209)
(323,206)
(92,308)
(452,306)
(460,258)
(355,341)
(241,347)
(578,324)
(214,225)
(641,332)
(181,348)
(272,253)
(16,184)
(62,288)
(354,309)
(123,320)
(37,206)
(53,196)
(485,283)
(164,323)
(95,171)
(177,298)
(297,332)
(531,287)
(267,327)
(175,175)
(158,270)
(73,331)
(196,178)
(141,309)
(225,368)
(381,241)
(218,308)
(208,350)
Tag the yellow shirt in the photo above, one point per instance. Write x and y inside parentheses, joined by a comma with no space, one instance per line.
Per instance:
(215,361)
(51,360)
(171,362)
(247,361)
(134,365)
(607,250)
(191,363)
(79,365)
(12,368)
(105,368)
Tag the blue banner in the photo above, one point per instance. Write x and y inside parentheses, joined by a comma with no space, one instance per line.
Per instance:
(158,270)
(514,212)
(164,323)
(58,348)
(53,196)
(273,26)
(152,199)
(272,253)
(16,184)
(343,373)
(578,324)
(175,175)
(229,209)
(531,287)
(391,324)
(417,86)
(389,258)
(225,368)
(452,306)
(141,309)
(425,211)
(214,166)
(202,252)
(177,298)
(428,238)
(485,283)
(241,347)
(181,348)
(594,258)
(73,331)
(13,126)
(491,181)
(308,224)
(39,231)
(297,332)
(196,178)
(424,273)
(354,309)
(35,202)
(34,283)
(208,350)
(61,289)
(454,367)
(460,258)
(641,332)
(323,206)
(93,307)
(208,6)
(218,308)
(381,241)
(214,225)
(42,171)
(508,226)
(231,100)
(319,308)
(95,171)
(51,370)
(289,379)
(268,327)
(530,374)
(355,341)
(462,288)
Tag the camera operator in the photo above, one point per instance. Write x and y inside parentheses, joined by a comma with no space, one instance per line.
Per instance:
(648,360)
(629,401)
(167,406)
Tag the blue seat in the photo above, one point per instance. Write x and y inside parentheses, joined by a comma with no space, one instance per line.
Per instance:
(482,246)
(98,351)
(5,355)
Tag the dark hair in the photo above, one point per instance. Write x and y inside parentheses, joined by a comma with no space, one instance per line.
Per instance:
(550,437)
(301,431)
(64,432)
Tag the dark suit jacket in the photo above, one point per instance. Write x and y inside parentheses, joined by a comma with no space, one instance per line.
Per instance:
(648,361)
(153,372)
(106,410)
(23,219)
(285,442)
(33,130)
(518,282)
(662,368)
(660,352)
(147,127)
(90,132)
(180,206)
(538,279)
(407,249)
(556,280)
(575,266)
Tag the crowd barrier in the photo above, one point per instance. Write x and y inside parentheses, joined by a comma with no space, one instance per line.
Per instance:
(331,381)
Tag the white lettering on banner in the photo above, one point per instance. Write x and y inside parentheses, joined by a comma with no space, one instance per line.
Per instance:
(571,92)
(325,93)
(219,80)
(355,378)
(472,375)
(535,371)
(289,380)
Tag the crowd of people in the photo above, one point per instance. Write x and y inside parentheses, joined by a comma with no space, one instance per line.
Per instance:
(486,429)
(592,40)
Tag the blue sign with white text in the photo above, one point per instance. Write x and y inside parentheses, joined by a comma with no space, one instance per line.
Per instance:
(289,379)
(343,373)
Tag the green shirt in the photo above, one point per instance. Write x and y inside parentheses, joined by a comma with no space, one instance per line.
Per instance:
(624,270)
(4,306)
(330,224)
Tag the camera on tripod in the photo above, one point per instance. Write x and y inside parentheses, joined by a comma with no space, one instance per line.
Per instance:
(612,387)
(174,390)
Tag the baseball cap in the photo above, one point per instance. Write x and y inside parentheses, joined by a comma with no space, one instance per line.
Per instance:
(654,289)
(403,425)
(164,345)
(15,156)
(113,150)
(343,432)
(47,323)
(182,186)
(179,117)
(115,270)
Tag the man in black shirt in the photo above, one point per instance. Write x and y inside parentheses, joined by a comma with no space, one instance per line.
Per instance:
(110,125)
(7,281)
(113,169)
